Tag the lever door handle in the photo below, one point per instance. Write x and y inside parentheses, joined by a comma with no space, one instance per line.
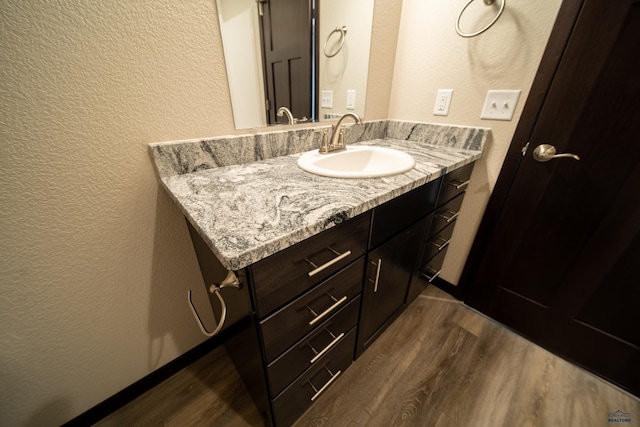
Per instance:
(546,152)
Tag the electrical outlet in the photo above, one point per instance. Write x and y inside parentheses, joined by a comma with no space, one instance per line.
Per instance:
(500,104)
(327,99)
(443,101)
(351,99)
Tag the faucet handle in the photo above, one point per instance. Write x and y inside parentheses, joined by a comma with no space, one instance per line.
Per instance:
(340,142)
(324,144)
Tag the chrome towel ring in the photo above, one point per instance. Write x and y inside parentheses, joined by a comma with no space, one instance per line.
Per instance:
(232,281)
(488,3)
(343,35)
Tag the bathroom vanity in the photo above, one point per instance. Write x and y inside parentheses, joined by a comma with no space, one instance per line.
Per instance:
(321,266)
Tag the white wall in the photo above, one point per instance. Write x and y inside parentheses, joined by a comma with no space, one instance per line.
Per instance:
(432,56)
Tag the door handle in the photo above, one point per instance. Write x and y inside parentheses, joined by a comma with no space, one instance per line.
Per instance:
(546,152)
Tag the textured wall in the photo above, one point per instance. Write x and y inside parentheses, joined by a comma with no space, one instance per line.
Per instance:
(432,56)
(95,261)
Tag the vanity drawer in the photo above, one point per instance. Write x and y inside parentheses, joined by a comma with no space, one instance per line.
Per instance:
(433,267)
(455,183)
(301,316)
(292,271)
(296,398)
(394,216)
(438,242)
(309,350)
(446,214)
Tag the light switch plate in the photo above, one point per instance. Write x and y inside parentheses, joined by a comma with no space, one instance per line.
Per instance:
(327,99)
(351,99)
(443,101)
(500,104)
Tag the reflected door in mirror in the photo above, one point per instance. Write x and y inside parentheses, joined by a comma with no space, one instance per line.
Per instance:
(288,50)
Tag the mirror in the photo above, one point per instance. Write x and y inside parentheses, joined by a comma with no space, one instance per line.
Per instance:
(341,69)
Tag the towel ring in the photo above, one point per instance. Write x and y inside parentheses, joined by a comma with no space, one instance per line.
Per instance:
(488,3)
(343,35)
(230,280)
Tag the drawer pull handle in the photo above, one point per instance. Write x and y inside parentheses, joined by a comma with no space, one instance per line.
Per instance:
(230,280)
(432,278)
(327,311)
(441,246)
(452,215)
(458,184)
(324,387)
(327,348)
(317,270)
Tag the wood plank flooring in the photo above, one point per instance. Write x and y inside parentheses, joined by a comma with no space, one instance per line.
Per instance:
(208,392)
(440,364)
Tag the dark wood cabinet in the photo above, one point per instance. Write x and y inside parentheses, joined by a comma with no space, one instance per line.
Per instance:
(396,215)
(438,235)
(454,183)
(311,309)
(296,398)
(389,271)
(284,275)
(287,367)
(307,301)
(284,327)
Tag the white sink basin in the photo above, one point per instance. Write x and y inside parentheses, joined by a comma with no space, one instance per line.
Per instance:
(357,162)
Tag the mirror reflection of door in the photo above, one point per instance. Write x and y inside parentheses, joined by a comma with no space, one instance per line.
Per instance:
(289,57)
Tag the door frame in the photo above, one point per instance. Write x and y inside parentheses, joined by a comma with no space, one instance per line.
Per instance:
(554,51)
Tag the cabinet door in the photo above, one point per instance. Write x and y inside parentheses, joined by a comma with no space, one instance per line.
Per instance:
(389,270)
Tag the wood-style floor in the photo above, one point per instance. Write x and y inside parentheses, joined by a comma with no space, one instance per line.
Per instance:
(440,364)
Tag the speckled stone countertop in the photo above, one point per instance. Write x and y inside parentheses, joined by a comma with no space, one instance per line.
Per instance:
(248,211)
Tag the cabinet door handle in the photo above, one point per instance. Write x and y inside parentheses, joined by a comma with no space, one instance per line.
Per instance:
(459,184)
(441,246)
(317,270)
(327,311)
(451,217)
(318,392)
(433,277)
(327,348)
(375,284)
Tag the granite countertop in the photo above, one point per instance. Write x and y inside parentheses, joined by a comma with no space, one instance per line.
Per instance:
(246,212)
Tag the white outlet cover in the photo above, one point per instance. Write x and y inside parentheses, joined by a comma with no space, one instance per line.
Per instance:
(443,101)
(351,99)
(500,104)
(327,99)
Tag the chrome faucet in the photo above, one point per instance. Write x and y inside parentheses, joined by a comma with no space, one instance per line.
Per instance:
(337,135)
(284,110)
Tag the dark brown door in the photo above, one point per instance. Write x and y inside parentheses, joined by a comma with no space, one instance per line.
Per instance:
(562,264)
(287,36)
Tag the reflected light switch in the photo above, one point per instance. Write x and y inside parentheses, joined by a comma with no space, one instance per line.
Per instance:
(327,99)
(351,99)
